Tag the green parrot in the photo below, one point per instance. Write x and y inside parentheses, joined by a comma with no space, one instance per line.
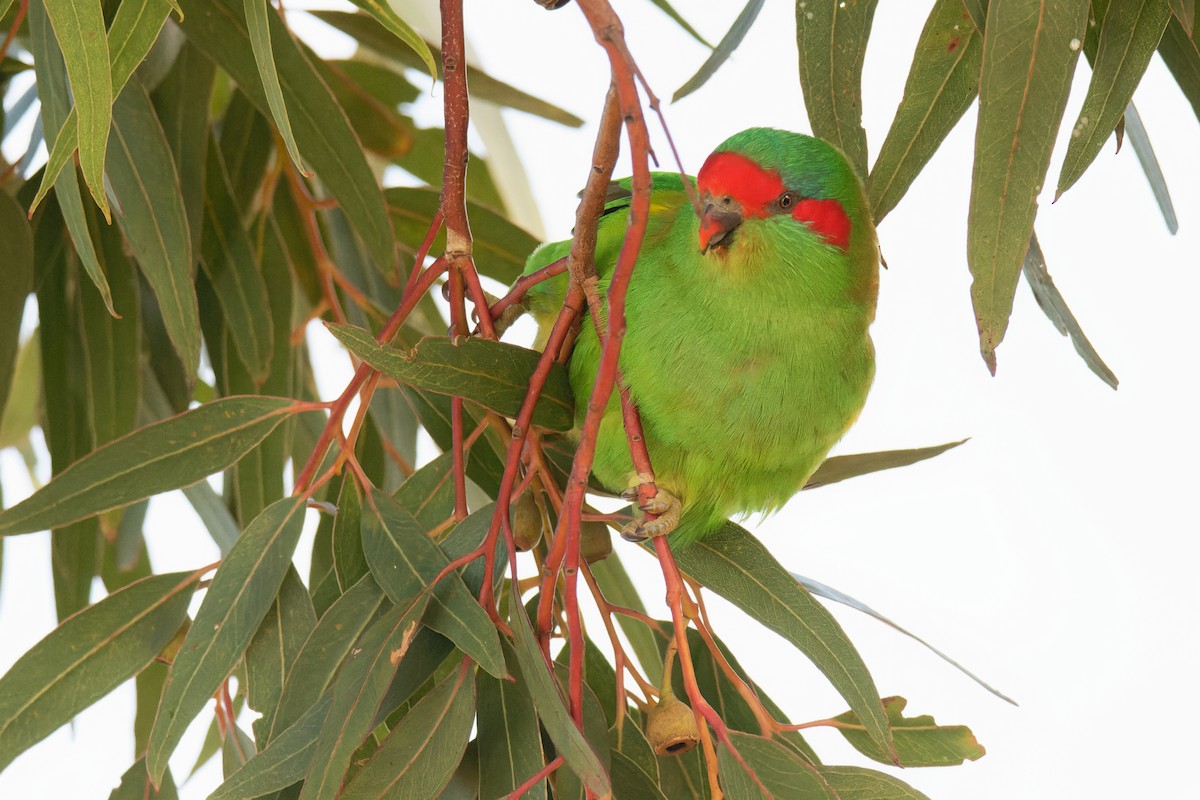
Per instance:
(747,348)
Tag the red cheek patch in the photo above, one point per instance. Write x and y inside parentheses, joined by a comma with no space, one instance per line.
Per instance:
(735,175)
(826,217)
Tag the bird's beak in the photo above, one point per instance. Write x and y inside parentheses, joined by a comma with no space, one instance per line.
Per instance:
(718,220)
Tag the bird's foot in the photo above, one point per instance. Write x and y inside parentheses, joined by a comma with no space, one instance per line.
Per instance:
(667,509)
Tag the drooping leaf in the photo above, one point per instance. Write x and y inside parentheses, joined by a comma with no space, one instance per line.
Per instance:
(510,742)
(736,566)
(404,561)
(359,689)
(839,468)
(856,783)
(182,100)
(630,780)
(325,138)
(325,650)
(55,100)
(380,127)
(386,16)
(428,494)
(229,262)
(418,757)
(1129,35)
(1181,54)
(1029,56)
(670,11)
(16,276)
(832,42)
(368,33)
(87,656)
(920,742)
(829,593)
(282,762)
(274,649)
(349,563)
(1055,307)
(150,209)
(493,374)
(723,50)
(551,706)
(136,785)
(134,29)
(79,28)
(1185,12)
(780,771)
(241,594)
(258,27)
(167,455)
(1140,141)
(618,588)
(942,83)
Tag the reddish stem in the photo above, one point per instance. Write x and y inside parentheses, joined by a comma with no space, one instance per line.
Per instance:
(537,778)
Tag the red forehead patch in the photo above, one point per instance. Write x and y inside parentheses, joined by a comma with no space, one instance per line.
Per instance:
(826,217)
(756,189)
(737,176)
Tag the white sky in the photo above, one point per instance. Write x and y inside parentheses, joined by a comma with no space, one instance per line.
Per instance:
(1054,554)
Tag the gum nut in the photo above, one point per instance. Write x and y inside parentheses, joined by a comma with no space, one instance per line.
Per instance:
(671,727)
(595,541)
(526,523)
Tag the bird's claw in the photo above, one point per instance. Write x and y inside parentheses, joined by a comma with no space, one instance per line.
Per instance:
(665,506)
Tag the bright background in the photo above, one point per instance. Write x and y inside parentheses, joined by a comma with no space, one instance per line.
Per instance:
(1054,553)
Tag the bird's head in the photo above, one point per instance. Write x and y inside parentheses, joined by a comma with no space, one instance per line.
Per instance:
(763,174)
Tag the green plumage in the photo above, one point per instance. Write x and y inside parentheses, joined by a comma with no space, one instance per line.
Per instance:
(747,362)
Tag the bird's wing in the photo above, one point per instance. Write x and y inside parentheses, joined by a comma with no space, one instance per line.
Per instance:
(667,196)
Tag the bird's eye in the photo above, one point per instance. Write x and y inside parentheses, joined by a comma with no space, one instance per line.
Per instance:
(787,200)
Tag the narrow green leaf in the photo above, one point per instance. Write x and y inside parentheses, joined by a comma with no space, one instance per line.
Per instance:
(404,561)
(133,32)
(942,83)
(977,12)
(510,741)
(1181,54)
(274,648)
(1185,12)
(839,468)
(630,780)
(182,100)
(724,49)
(136,785)
(327,143)
(236,749)
(832,42)
(670,11)
(369,33)
(418,757)
(1129,35)
(241,594)
(780,771)
(1140,141)
(151,212)
(1051,301)
(1029,55)
(568,785)
(79,28)
(359,690)
(16,276)
(247,146)
(112,346)
(257,26)
(349,563)
(500,247)
(856,783)
(87,656)
(281,763)
(55,99)
(388,18)
(829,593)
(428,494)
(229,262)
(167,455)
(493,374)
(551,706)
(920,742)
(736,566)
(327,647)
